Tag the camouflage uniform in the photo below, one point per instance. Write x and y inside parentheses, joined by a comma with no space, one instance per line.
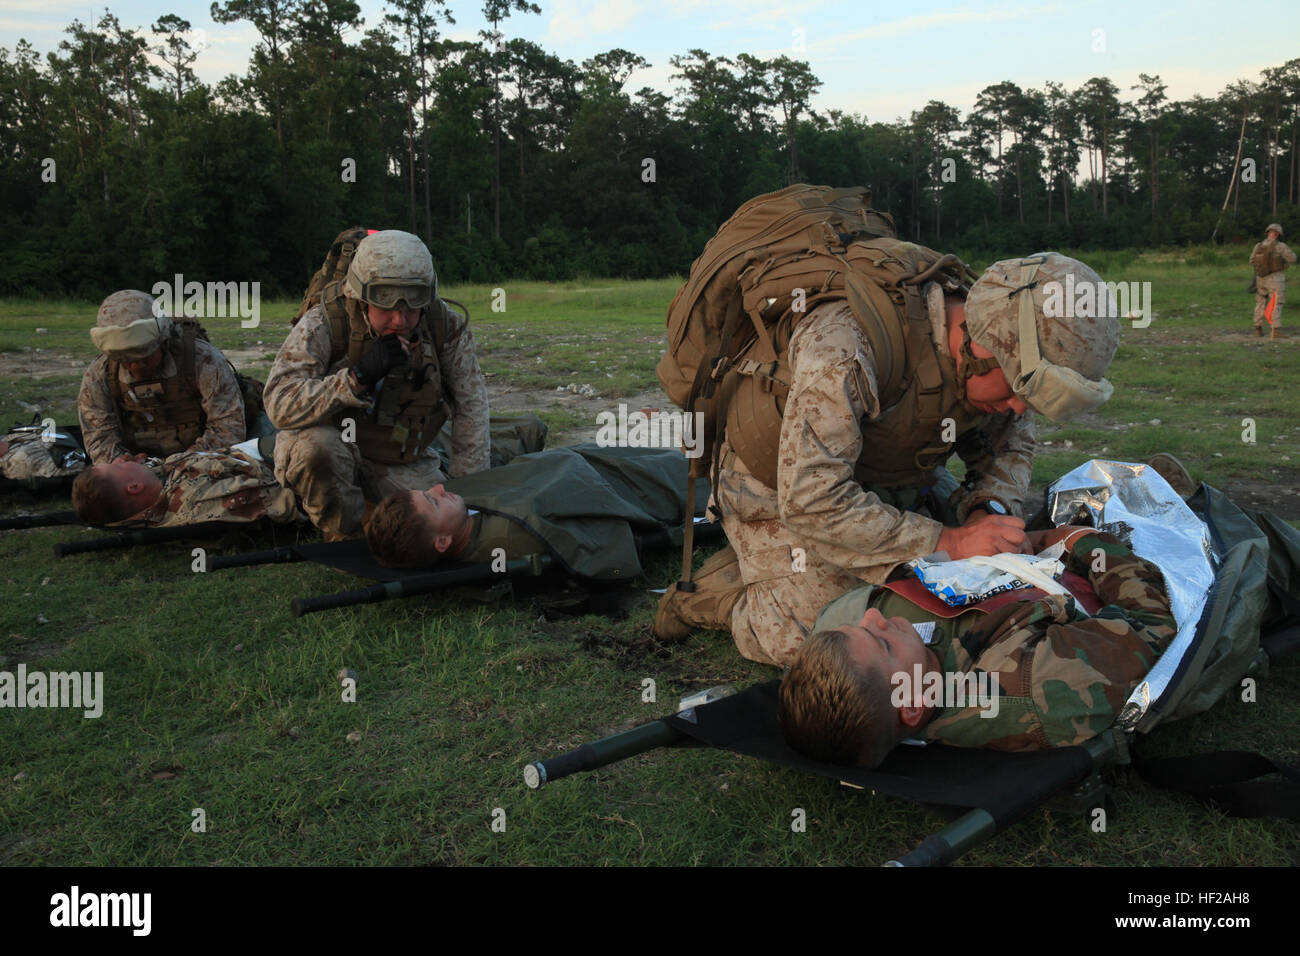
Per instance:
(1266,285)
(845,533)
(23,456)
(1062,676)
(223,406)
(305,394)
(228,486)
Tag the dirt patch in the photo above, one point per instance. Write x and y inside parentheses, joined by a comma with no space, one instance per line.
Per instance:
(1281,495)
(502,397)
(23,649)
(259,357)
(39,363)
(1245,335)
(508,399)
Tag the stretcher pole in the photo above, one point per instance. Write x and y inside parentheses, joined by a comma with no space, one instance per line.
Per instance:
(47,520)
(282,555)
(977,826)
(419,584)
(129,539)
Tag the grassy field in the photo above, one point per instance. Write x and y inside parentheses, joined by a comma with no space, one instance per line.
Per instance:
(218,699)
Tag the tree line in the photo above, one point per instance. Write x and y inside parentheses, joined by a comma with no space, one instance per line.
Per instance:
(118,166)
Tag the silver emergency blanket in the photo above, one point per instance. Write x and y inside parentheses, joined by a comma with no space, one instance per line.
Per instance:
(1134,503)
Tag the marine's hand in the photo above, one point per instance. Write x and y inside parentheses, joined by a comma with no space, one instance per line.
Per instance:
(984,534)
(385,354)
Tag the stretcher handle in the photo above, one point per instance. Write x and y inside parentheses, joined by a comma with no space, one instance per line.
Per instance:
(620,746)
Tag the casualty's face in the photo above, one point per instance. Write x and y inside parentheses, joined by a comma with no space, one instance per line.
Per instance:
(886,645)
(395,321)
(443,510)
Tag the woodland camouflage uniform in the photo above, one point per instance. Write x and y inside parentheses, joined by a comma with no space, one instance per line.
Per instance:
(1063,676)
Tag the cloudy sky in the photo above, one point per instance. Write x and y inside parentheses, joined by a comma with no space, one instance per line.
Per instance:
(879,60)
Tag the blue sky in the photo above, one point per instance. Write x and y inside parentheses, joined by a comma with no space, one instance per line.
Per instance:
(879,60)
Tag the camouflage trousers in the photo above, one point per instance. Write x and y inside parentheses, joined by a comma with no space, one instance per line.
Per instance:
(787,583)
(334,482)
(785,589)
(1265,286)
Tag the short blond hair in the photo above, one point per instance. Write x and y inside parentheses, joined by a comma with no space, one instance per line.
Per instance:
(398,536)
(832,710)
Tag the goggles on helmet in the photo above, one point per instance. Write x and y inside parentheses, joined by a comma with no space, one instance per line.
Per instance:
(395,294)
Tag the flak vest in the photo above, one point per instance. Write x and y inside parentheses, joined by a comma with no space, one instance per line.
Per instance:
(927,413)
(162,416)
(1266,260)
(409,404)
(920,425)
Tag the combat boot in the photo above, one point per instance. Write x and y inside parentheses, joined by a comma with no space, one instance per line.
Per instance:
(1276,333)
(1172,470)
(1259,331)
(718,586)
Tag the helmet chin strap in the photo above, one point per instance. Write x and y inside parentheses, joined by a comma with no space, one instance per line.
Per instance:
(970,366)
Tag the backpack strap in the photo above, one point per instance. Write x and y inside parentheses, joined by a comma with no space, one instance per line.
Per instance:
(114,382)
(342,332)
(870,304)
(441,323)
(189,331)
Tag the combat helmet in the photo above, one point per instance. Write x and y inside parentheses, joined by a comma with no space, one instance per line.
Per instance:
(1053,327)
(129,327)
(1274,227)
(391,269)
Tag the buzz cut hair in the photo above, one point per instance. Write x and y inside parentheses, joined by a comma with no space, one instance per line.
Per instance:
(399,537)
(96,499)
(831,709)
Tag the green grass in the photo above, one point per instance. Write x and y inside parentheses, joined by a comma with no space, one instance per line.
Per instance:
(217,698)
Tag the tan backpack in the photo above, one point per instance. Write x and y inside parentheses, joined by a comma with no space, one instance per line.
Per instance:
(334,268)
(730,324)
